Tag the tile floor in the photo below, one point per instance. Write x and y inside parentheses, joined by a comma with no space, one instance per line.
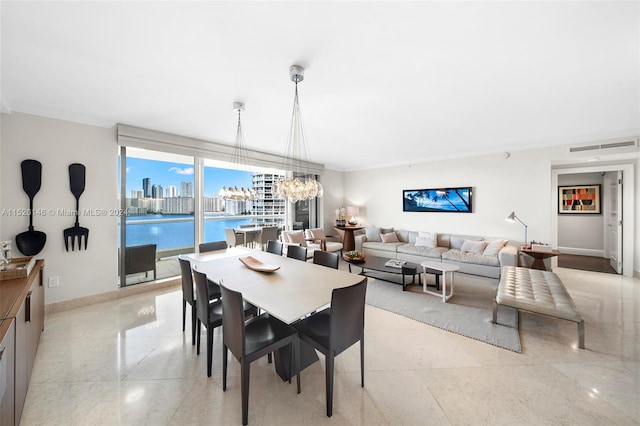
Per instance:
(128,362)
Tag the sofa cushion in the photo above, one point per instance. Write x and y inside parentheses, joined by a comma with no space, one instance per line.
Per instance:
(389,237)
(493,247)
(380,246)
(373,234)
(427,239)
(456,241)
(473,246)
(434,252)
(456,255)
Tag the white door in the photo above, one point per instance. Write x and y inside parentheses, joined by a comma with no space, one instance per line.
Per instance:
(614,223)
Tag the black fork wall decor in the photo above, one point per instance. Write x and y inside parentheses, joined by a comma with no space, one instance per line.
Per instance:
(77,174)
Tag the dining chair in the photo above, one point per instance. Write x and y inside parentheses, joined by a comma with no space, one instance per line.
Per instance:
(251,340)
(297,252)
(268,233)
(325,258)
(189,297)
(335,329)
(233,239)
(210,314)
(274,247)
(212,246)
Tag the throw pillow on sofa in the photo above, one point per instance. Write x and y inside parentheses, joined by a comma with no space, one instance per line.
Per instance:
(373,234)
(390,237)
(476,247)
(427,239)
(493,247)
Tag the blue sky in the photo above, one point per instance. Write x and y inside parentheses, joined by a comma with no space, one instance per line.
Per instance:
(166,173)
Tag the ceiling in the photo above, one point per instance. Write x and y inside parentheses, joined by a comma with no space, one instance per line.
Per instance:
(386,83)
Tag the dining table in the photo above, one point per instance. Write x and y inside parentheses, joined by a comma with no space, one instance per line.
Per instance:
(292,290)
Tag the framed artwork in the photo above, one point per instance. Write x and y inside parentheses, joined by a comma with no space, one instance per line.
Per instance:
(579,199)
(447,200)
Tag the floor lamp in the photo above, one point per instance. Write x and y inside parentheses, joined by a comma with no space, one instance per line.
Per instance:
(512,218)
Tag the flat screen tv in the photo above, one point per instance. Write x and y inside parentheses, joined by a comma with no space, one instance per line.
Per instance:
(447,200)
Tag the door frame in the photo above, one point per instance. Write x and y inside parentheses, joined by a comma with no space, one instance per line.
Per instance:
(628,208)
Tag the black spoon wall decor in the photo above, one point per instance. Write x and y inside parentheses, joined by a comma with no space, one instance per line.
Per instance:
(31,242)
(77,173)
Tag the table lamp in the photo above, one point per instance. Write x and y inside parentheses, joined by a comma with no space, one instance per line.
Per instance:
(352,212)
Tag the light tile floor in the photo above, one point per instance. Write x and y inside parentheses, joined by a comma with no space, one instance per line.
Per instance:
(128,362)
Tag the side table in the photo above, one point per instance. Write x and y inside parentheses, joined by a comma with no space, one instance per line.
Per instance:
(349,242)
(444,269)
(539,256)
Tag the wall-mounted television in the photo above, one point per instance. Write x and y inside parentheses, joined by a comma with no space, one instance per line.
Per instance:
(446,200)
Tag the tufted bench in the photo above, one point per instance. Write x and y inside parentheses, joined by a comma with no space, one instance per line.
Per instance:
(537,291)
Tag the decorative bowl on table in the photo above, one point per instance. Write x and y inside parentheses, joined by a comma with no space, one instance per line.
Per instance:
(353,256)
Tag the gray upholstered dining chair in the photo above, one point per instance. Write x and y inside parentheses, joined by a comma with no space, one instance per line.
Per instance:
(297,252)
(325,258)
(251,340)
(335,329)
(233,239)
(269,233)
(212,246)
(274,247)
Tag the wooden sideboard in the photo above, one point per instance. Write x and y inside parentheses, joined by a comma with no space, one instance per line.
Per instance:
(21,325)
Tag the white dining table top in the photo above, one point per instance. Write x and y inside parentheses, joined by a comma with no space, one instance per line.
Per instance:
(247,230)
(296,289)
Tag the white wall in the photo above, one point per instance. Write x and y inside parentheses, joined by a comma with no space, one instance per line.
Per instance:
(56,144)
(520,183)
(582,233)
(333,198)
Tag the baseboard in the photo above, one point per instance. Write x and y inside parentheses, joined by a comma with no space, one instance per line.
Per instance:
(66,305)
(581,252)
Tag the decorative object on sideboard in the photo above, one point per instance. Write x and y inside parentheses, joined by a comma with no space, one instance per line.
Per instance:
(341,214)
(352,212)
(512,218)
(444,200)
(302,185)
(579,199)
(240,160)
(77,174)
(31,242)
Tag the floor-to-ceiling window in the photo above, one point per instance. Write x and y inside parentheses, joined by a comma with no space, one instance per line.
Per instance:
(159,204)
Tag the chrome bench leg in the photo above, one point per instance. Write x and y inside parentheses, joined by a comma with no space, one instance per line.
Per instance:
(495,311)
(581,334)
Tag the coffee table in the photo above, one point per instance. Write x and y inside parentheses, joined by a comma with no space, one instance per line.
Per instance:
(372,264)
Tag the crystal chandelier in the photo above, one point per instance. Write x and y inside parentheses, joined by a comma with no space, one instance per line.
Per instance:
(240,160)
(296,155)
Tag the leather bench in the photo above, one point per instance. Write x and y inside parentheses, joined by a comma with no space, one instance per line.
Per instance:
(540,292)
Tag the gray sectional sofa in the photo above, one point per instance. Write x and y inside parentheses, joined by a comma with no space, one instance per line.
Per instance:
(475,255)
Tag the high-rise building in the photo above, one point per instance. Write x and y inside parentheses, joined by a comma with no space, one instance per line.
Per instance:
(137,193)
(146,187)
(267,204)
(156,191)
(171,191)
(186,189)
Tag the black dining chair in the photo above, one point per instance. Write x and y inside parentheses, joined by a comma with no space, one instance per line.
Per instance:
(212,246)
(210,314)
(251,340)
(297,252)
(274,247)
(326,258)
(188,296)
(335,329)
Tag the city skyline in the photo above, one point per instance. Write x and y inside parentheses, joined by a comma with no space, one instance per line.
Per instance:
(167,174)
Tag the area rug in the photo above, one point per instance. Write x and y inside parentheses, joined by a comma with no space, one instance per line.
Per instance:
(468,312)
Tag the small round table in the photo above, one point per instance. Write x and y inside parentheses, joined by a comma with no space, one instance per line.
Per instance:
(444,268)
(349,242)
